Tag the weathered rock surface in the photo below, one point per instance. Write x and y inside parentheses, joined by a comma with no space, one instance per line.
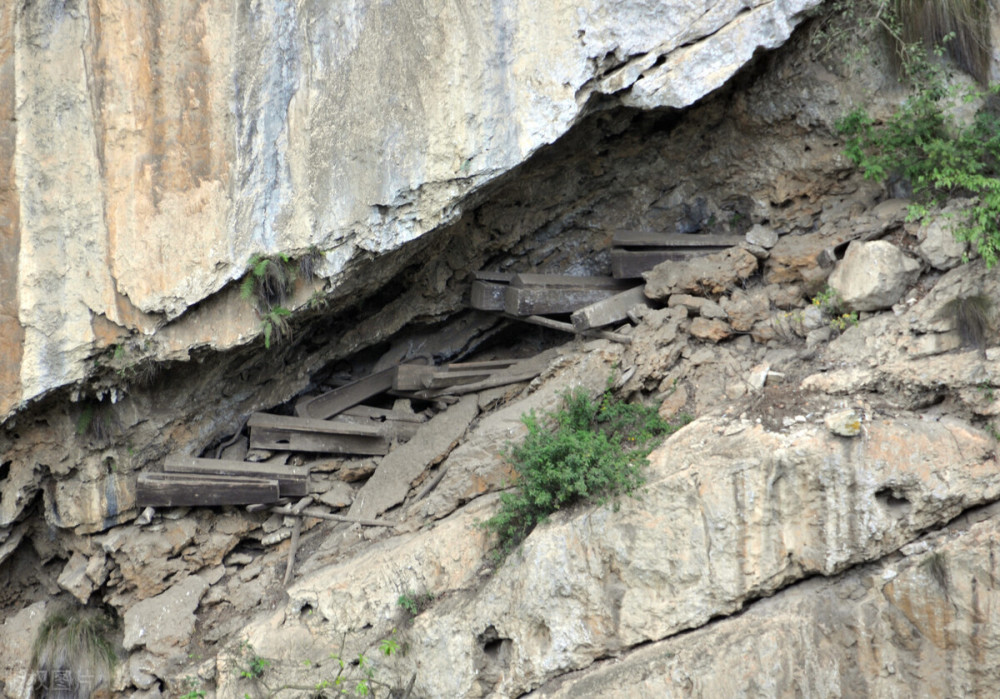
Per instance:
(872,276)
(193,137)
(731,512)
(921,624)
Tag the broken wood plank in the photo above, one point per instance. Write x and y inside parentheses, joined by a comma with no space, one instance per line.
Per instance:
(487,296)
(319,514)
(359,412)
(645,239)
(486,364)
(347,396)
(178,489)
(564,281)
(630,264)
(292,481)
(611,310)
(279,432)
(522,370)
(296,532)
(415,378)
(569,328)
(541,301)
(498,277)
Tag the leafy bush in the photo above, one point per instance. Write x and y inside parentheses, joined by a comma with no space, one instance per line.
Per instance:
(586,451)
(923,142)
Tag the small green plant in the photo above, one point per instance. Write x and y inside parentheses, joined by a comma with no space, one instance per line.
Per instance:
(586,451)
(275,325)
(987,391)
(98,424)
(268,280)
(251,665)
(193,687)
(831,304)
(414,603)
(356,677)
(75,648)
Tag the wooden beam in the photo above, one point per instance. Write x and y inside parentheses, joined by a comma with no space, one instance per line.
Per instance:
(487,296)
(542,301)
(646,239)
(278,432)
(569,328)
(176,489)
(611,310)
(292,481)
(564,281)
(347,396)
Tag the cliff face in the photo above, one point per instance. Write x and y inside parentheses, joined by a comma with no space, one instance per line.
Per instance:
(823,528)
(148,151)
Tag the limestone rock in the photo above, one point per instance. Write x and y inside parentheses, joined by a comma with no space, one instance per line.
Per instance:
(17,635)
(710,275)
(873,275)
(938,246)
(844,423)
(745,309)
(731,512)
(713,330)
(762,236)
(391,481)
(924,626)
(164,624)
(802,258)
(196,137)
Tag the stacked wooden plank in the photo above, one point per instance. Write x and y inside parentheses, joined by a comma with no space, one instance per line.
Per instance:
(187,480)
(540,294)
(635,252)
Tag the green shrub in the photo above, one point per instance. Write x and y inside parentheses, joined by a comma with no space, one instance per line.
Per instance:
(586,451)
(923,142)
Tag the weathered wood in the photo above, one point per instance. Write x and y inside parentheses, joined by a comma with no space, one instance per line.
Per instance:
(645,239)
(347,396)
(178,489)
(569,328)
(415,378)
(360,412)
(611,310)
(289,423)
(518,372)
(319,514)
(487,364)
(541,301)
(630,264)
(487,296)
(565,281)
(292,481)
(296,532)
(498,277)
(278,432)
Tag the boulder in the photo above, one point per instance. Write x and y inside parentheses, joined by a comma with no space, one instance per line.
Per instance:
(164,624)
(762,236)
(873,275)
(937,245)
(709,275)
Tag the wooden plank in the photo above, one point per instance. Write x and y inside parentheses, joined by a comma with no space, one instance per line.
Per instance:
(289,423)
(359,412)
(568,327)
(487,364)
(541,300)
(630,264)
(413,377)
(487,296)
(175,490)
(565,281)
(498,277)
(292,481)
(276,439)
(610,310)
(645,239)
(347,396)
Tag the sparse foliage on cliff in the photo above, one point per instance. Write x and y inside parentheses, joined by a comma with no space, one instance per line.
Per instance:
(74,651)
(586,451)
(924,143)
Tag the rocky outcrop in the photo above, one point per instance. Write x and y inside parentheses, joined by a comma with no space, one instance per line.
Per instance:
(191,136)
